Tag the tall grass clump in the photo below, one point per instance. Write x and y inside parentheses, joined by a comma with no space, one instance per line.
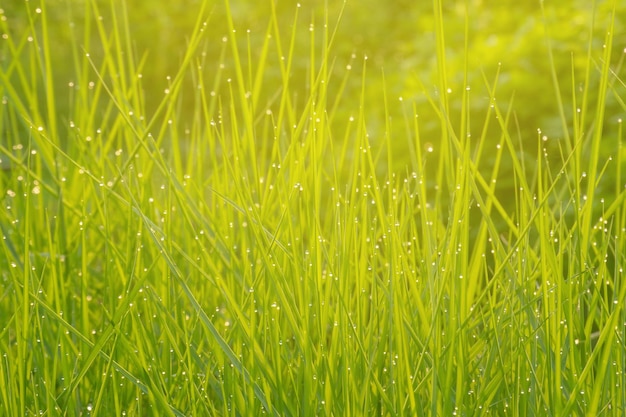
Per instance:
(271,229)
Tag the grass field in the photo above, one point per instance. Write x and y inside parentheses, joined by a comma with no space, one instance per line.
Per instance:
(291,220)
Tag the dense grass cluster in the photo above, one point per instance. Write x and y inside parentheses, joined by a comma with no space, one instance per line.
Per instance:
(276,232)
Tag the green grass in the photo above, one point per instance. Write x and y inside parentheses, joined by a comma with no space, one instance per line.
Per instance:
(302,244)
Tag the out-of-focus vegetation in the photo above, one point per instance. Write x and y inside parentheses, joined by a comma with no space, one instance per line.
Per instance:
(507,46)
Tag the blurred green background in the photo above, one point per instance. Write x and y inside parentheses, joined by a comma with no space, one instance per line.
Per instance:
(483,38)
